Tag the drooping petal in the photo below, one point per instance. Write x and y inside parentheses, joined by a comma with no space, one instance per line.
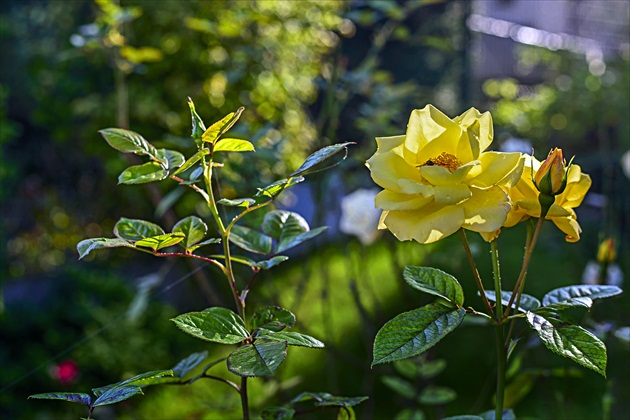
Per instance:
(389,200)
(426,225)
(486,210)
(504,169)
(569,226)
(577,188)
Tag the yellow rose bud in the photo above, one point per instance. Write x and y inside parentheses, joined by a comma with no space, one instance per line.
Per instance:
(551,178)
(606,253)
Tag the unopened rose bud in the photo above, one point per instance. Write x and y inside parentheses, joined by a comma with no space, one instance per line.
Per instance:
(606,253)
(551,177)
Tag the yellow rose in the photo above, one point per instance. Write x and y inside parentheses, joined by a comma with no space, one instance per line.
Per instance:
(437,178)
(525,198)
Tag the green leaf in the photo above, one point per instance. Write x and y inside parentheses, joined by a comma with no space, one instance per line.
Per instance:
(409,414)
(117,394)
(281,224)
(74,397)
(261,358)
(135,230)
(140,174)
(219,325)
(528,303)
(435,282)
(171,159)
(128,141)
(267,264)
(192,160)
(507,414)
(518,388)
(406,368)
(436,395)
(161,241)
(570,341)
(400,386)
(250,240)
(198,127)
(221,127)
(88,245)
(288,243)
(465,417)
(582,295)
(320,156)
(204,243)
(154,377)
(292,338)
(277,187)
(233,145)
(241,202)
(277,413)
(273,318)
(236,258)
(324,399)
(430,369)
(193,228)
(346,413)
(413,332)
(189,363)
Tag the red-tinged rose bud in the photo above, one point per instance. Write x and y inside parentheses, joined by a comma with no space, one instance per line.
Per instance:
(606,253)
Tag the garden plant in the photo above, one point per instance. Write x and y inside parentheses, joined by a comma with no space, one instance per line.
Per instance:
(263,336)
(439,179)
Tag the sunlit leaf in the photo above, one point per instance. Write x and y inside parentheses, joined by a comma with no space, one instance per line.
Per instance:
(128,141)
(272,262)
(193,228)
(241,202)
(140,174)
(272,318)
(88,245)
(171,159)
(221,127)
(283,223)
(135,230)
(292,338)
(161,241)
(198,127)
(117,394)
(204,243)
(581,295)
(275,188)
(192,160)
(233,145)
(74,397)
(436,282)
(213,324)
(319,156)
(261,358)
(527,303)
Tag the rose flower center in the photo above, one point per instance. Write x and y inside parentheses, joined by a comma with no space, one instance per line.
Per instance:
(445,160)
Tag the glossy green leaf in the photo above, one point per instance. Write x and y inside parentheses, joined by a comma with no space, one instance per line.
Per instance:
(191,161)
(135,230)
(409,414)
(507,414)
(436,395)
(128,141)
(240,202)
(140,174)
(161,241)
(221,127)
(261,358)
(284,224)
(324,399)
(435,282)
(274,189)
(528,303)
(117,394)
(236,258)
(219,325)
(411,333)
(198,127)
(277,413)
(154,377)
(290,242)
(88,245)
(292,338)
(267,264)
(204,243)
(233,145)
(171,159)
(250,240)
(582,295)
(570,341)
(321,155)
(400,386)
(193,228)
(189,363)
(74,397)
(273,318)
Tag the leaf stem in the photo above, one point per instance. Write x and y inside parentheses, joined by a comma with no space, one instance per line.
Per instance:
(475,272)
(244,401)
(501,353)
(496,272)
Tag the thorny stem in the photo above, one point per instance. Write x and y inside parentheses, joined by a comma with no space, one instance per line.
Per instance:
(501,353)
(475,272)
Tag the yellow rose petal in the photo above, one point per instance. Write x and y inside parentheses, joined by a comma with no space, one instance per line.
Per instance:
(389,200)
(427,225)
(570,227)
(486,210)
(504,169)
(388,168)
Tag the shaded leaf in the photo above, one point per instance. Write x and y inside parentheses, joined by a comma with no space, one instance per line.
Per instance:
(171,159)
(324,399)
(88,245)
(117,394)
(189,363)
(281,224)
(528,303)
(290,242)
(319,156)
(267,264)
(74,397)
(277,413)
(242,202)
(135,229)
(582,295)
(128,141)
(233,145)
(292,338)
(198,127)
(411,333)
(570,341)
(140,174)
(346,413)
(273,318)
(219,325)
(161,241)
(261,358)
(507,414)
(400,386)
(204,243)
(277,187)
(192,160)
(436,395)
(435,282)
(409,414)
(193,228)
(250,240)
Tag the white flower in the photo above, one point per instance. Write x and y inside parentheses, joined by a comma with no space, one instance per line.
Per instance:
(625,164)
(614,275)
(359,217)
